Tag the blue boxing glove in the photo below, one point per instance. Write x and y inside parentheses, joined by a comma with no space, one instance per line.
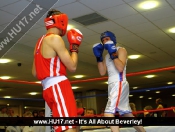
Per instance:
(98,51)
(112,50)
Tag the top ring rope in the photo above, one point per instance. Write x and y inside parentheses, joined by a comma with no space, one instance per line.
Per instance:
(95,79)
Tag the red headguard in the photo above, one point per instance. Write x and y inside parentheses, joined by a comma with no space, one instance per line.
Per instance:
(60,21)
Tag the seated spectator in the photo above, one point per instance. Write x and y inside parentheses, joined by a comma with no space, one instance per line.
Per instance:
(3,113)
(80,109)
(90,112)
(13,129)
(161,105)
(171,113)
(32,128)
(102,112)
(35,113)
(147,113)
(41,113)
(11,113)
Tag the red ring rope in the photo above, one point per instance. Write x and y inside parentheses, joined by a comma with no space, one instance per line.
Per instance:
(96,79)
(138,112)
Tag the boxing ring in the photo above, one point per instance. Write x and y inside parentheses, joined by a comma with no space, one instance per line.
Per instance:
(107,129)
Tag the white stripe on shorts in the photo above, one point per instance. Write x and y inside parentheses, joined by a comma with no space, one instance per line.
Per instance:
(62,102)
(58,105)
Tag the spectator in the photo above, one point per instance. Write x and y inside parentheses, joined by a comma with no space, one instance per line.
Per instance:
(171,113)
(3,113)
(147,113)
(161,105)
(83,114)
(102,112)
(35,113)
(90,112)
(80,109)
(11,113)
(41,113)
(13,129)
(32,128)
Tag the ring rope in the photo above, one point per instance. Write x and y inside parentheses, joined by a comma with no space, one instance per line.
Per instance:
(94,79)
(136,112)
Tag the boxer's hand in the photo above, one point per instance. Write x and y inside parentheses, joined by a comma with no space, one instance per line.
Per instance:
(74,37)
(112,50)
(98,51)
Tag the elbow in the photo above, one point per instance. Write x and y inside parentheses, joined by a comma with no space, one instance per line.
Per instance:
(120,69)
(102,73)
(73,69)
(33,73)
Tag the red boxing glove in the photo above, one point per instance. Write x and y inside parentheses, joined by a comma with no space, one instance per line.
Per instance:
(74,37)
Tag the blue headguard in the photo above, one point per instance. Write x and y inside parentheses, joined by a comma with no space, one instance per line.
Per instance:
(109,34)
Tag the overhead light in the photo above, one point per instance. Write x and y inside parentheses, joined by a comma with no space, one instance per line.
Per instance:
(106,82)
(7,97)
(135,87)
(157,91)
(150,98)
(25,107)
(130,95)
(38,81)
(170,83)
(149,4)
(78,76)
(173,95)
(140,96)
(7,104)
(4,60)
(150,76)
(147,90)
(75,87)
(172,30)
(33,93)
(69,27)
(5,77)
(133,56)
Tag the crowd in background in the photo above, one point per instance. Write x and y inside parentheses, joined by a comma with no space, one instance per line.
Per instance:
(9,112)
(86,112)
(150,111)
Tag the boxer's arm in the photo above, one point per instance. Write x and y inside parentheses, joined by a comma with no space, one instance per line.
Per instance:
(58,45)
(33,69)
(33,65)
(120,62)
(102,68)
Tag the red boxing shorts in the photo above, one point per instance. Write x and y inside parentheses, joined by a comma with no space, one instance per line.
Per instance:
(58,94)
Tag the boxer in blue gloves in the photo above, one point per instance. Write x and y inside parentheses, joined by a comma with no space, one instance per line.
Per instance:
(118,88)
